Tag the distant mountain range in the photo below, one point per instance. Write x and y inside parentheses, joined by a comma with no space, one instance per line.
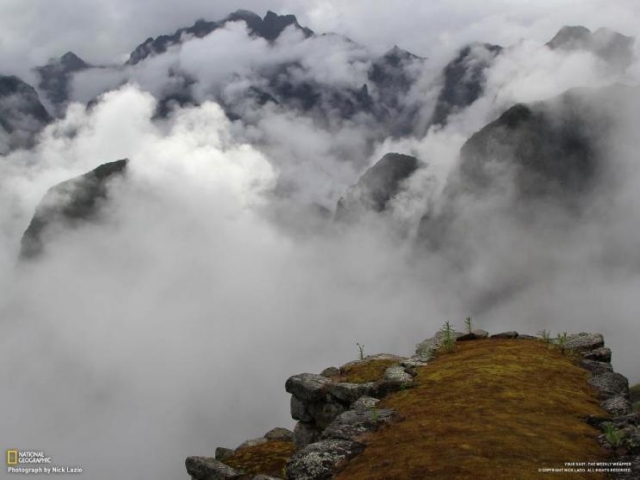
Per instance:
(527,139)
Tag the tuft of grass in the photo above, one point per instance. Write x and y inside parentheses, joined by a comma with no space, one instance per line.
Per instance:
(545,335)
(268,458)
(561,341)
(493,409)
(613,436)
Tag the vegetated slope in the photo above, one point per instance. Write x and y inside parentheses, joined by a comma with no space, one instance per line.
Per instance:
(491,409)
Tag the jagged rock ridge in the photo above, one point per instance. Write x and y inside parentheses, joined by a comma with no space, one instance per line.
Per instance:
(270,27)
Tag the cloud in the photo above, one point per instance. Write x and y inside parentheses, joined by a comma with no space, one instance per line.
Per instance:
(163,323)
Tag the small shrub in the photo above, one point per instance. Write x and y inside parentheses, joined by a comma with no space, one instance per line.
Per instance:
(449,341)
(613,437)
(361,348)
(469,324)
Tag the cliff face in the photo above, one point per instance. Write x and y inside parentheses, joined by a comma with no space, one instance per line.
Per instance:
(69,204)
(22,116)
(465,406)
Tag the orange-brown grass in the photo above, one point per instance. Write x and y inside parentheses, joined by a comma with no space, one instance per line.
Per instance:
(365,371)
(267,458)
(492,409)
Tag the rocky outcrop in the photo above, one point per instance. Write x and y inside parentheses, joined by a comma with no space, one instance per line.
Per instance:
(377,186)
(337,410)
(22,116)
(270,27)
(69,205)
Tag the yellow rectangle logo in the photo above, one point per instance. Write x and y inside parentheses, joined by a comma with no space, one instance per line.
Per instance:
(12,457)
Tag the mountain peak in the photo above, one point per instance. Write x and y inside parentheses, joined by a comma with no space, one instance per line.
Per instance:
(72,62)
(609,45)
(570,37)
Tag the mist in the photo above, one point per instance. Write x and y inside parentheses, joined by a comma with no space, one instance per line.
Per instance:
(216,270)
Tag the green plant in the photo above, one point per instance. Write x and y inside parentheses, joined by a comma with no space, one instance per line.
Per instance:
(448,340)
(469,324)
(561,341)
(361,348)
(613,437)
(546,336)
(374,414)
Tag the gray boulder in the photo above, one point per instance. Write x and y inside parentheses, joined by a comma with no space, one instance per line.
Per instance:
(425,349)
(610,384)
(474,335)
(279,434)
(205,468)
(505,335)
(324,413)
(350,392)
(364,404)
(330,372)
(322,460)
(222,453)
(596,367)
(617,406)
(308,387)
(299,410)
(352,424)
(599,354)
(584,341)
(305,433)
(397,374)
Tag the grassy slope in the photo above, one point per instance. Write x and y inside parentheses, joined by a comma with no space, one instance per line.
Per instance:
(492,409)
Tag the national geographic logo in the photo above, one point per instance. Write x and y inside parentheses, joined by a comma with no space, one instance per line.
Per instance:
(21,457)
(35,462)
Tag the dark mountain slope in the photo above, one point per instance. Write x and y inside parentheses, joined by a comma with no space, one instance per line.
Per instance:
(377,186)
(464,79)
(613,47)
(69,204)
(22,115)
